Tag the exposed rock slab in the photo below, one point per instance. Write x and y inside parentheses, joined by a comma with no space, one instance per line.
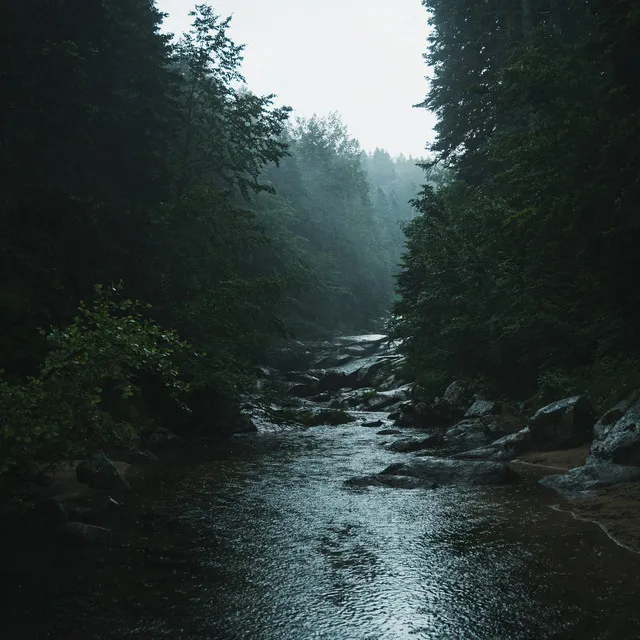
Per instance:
(563,424)
(617,433)
(473,433)
(591,476)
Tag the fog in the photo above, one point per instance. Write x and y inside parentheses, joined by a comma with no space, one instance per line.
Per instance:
(362,58)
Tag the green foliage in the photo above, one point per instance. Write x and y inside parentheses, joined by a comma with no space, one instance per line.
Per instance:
(522,269)
(61,412)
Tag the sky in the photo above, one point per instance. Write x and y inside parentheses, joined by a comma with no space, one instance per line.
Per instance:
(361,58)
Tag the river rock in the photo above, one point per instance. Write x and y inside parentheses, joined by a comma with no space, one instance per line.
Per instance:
(473,433)
(506,448)
(617,433)
(459,395)
(593,475)
(483,408)
(563,424)
(388,432)
(446,471)
(99,472)
(408,445)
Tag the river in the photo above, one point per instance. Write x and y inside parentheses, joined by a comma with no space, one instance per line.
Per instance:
(263,541)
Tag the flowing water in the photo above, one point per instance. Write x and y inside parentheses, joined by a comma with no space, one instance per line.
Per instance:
(263,541)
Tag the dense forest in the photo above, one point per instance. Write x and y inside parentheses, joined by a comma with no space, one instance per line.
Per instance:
(520,273)
(162,225)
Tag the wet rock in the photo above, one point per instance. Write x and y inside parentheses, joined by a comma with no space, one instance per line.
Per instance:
(473,433)
(617,433)
(79,533)
(506,448)
(244,423)
(373,423)
(593,475)
(563,424)
(459,395)
(334,380)
(322,397)
(396,482)
(483,408)
(99,472)
(356,350)
(385,399)
(388,432)
(408,445)
(446,471)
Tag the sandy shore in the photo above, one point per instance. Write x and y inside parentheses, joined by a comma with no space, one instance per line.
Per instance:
(615,509)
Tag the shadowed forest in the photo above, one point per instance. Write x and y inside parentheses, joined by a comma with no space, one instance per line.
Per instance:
(163,226)
(257,381)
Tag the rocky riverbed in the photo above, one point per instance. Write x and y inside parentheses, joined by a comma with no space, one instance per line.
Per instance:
(351,507)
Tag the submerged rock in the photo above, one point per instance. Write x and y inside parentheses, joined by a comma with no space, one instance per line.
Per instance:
(593,475)
(445,471)
(396,482)
(617,433)
(563,424)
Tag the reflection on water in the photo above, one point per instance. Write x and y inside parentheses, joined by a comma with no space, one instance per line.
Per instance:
(265,542)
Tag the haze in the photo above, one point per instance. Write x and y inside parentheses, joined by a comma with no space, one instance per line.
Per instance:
(362,58)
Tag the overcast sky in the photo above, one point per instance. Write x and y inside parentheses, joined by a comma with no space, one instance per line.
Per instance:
(362,58)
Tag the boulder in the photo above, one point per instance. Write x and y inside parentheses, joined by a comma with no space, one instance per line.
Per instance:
(407,445)
(482,408)
(593,475)
(563,424)
(99,472)
(459,396)
(388,432)
(245,423)
(445,471)
(373,423)
(616,436)
(506,448)
(472,433)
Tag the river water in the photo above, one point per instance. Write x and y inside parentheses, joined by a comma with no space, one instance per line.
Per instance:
(262,540)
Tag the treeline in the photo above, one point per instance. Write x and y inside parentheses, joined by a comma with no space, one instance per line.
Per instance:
(139,174)
(522,271)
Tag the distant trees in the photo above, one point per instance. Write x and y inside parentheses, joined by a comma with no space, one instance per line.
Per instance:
(521,272)
(128,158)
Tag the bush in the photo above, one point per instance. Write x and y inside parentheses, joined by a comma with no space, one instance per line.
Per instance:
(61,412)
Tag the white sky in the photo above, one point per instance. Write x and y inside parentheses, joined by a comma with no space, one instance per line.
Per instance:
(362,58)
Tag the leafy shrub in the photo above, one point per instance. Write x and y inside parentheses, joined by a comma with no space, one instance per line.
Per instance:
(61,412)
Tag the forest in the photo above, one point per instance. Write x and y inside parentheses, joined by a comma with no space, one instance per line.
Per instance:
(520,273)
(162,225)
